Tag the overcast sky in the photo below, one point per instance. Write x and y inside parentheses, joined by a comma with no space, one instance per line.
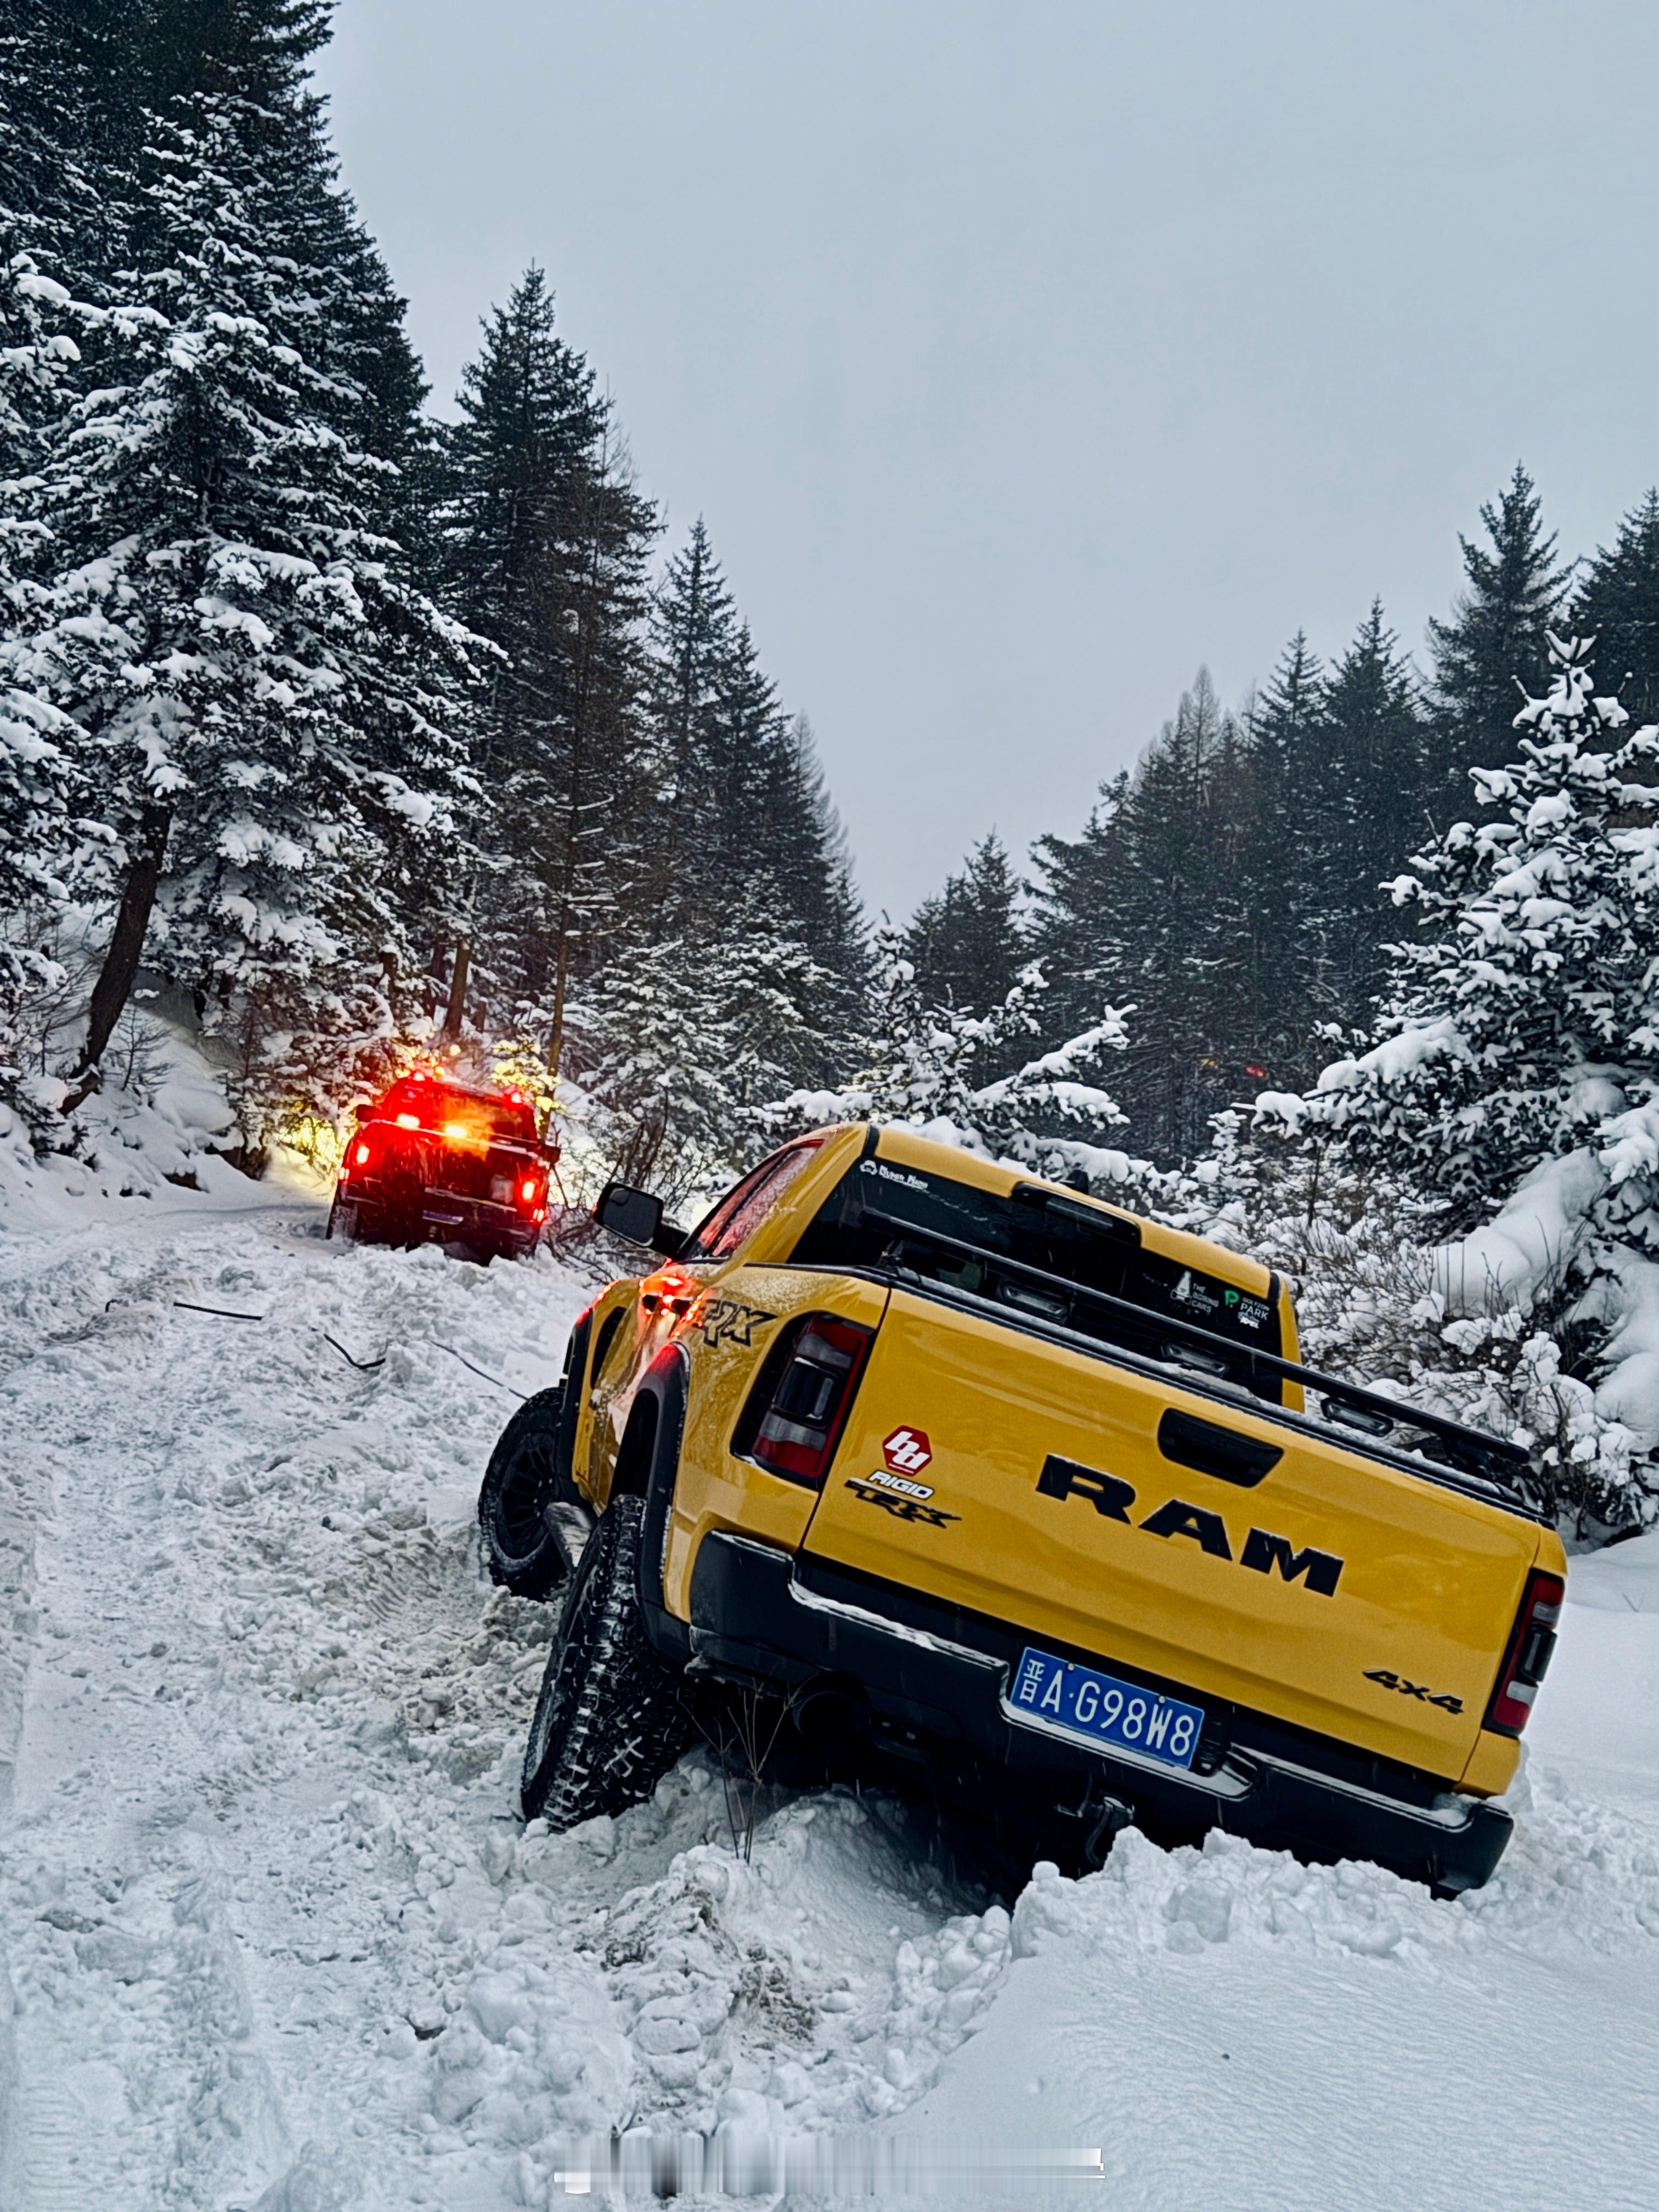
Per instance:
(1024,357)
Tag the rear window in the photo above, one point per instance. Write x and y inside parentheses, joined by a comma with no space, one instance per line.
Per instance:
(863,1222)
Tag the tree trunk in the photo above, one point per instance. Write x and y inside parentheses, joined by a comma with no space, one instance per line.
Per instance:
(457,1006)
(116,977)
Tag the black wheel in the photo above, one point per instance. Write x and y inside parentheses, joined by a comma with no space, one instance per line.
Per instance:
(611,1719)
(333,1215)
(532,1518)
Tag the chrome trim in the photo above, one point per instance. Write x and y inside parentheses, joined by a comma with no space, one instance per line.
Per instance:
(813,1602)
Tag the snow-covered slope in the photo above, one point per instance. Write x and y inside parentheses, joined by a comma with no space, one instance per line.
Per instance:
(271,1934)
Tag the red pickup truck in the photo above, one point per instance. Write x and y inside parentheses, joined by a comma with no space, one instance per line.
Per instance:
(437,1159)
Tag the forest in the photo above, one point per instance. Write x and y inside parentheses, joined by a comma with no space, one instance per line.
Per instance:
(347,733)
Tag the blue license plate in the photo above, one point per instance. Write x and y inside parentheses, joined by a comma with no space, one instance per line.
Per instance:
(1098,1709)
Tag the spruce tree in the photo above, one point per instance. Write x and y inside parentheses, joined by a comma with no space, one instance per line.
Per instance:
(1144,911)
(976,1081)
(1617,605)
(1495,648)
(747,844)
(1366,796)
(263,707)
(1525,1014)
(967,943)
(544,540)
(1277,962)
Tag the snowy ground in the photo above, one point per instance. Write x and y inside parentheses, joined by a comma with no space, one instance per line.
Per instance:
(271,1934)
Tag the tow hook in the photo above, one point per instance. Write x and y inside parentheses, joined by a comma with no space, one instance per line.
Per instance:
(1108,1817)
(1113,1817)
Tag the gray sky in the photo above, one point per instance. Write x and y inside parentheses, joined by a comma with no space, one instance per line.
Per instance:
(1023,357)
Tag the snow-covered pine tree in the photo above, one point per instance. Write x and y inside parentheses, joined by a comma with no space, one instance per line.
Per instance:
(544,540)
(265,709)
(1526,1014)
(1368,779)
(967,943)
(1617,604)
(1496,641)
(1277,975)
(674,1049)
(742,795)
(804,843)
(935,1067)
(52,220)
(1144,907)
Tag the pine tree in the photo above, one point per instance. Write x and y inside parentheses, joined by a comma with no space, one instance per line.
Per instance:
(1497,639)
(545,541)
(1617,605)
(1366,793)
(747,842)
(677,1048)
(263,706)
(1526,1015)
(52,223)
(1278,963)
(1144,910)
(805,835)
(937,1068)
(967,943)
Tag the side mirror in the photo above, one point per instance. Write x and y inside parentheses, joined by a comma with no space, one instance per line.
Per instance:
(636,1215)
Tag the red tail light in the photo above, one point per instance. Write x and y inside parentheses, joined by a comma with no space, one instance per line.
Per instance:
(802,1404)
(1528,1657)
(359,1157)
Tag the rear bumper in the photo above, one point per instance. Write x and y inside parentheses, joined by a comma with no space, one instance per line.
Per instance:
(931,1682)
(449,1213)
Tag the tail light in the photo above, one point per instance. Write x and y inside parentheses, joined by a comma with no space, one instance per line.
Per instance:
(1528,1658)
(795,1421)
(360,1155)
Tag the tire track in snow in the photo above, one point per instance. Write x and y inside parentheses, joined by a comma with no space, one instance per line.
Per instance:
(267,1791)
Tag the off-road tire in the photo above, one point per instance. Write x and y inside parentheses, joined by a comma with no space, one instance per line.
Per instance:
(532,1520)
(611,1718)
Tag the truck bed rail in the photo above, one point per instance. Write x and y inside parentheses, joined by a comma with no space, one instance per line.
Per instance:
(1365,1413)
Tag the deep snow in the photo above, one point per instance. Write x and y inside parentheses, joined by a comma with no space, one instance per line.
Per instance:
(271,1934)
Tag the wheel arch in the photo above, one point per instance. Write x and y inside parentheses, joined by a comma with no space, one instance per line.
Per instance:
(647,1465)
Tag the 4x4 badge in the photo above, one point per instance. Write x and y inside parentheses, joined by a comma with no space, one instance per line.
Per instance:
(1390,1681)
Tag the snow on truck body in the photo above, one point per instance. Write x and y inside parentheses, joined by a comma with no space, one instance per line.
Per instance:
(1032,1490)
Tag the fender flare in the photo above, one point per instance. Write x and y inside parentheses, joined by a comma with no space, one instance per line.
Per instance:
(572,1385)
(653,1476)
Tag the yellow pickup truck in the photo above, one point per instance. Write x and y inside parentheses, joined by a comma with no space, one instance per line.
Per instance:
(1029,1498)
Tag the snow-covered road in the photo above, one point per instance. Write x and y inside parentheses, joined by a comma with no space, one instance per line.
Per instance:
(270,1932)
